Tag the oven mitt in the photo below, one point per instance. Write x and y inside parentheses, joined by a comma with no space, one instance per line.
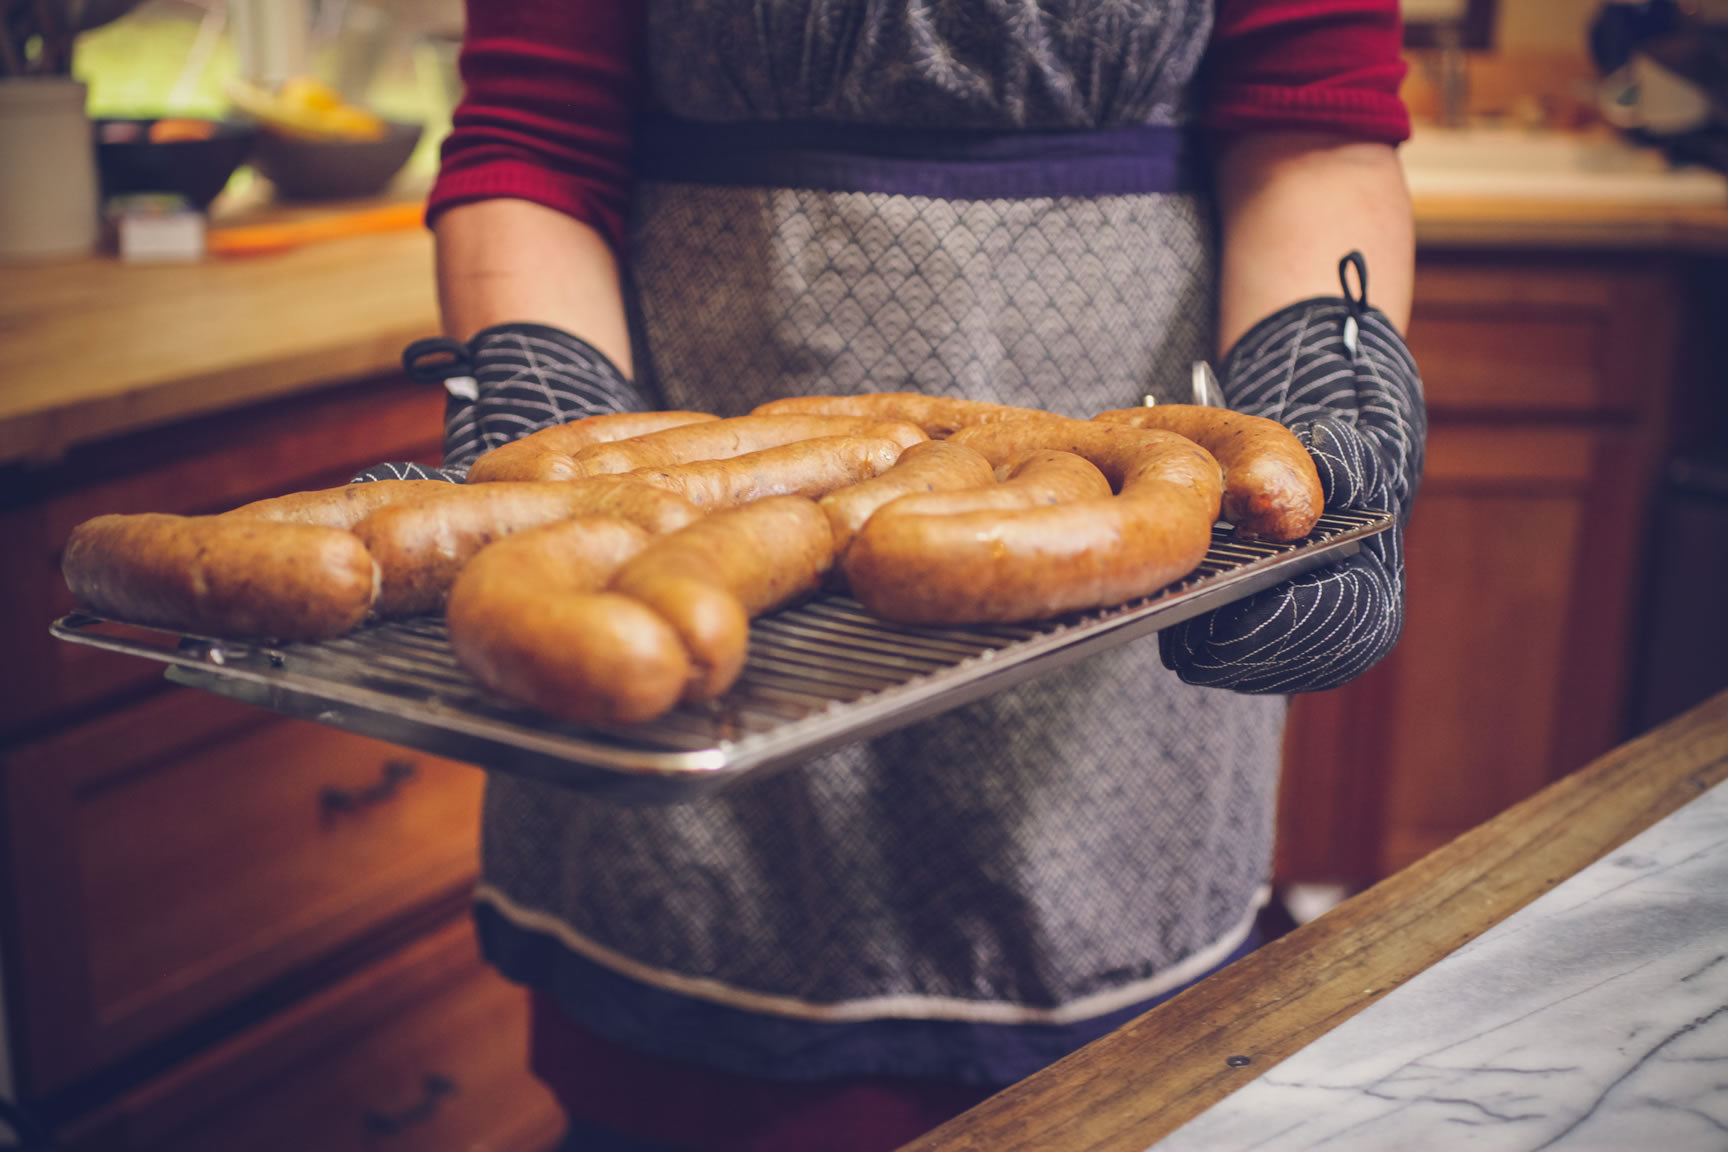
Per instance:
(510,380)
(1336,372)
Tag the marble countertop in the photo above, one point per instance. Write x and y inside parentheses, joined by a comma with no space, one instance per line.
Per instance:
(1595,1017)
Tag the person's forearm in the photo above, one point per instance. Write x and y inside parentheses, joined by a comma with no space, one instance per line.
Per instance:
(1291,206)
(512,261)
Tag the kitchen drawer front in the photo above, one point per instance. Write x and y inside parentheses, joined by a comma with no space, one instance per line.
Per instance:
(190,850)
(424,1051)
(449,1076)
(204,466)
(1499,338)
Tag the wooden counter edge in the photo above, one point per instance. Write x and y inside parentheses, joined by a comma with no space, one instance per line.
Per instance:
(44,436)
(1130,1089)
(1530,224)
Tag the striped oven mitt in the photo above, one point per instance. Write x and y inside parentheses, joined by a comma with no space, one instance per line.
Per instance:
(1336,372)
(508,381)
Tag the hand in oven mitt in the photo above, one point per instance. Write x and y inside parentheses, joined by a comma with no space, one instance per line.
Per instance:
(510,380)
(1337,373)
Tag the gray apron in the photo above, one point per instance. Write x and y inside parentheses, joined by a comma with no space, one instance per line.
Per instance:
(1050,855)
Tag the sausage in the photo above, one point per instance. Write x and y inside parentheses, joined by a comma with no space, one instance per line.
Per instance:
(341,507)
(993,566)
(1038,476)
(528,619)
(804,468)
(709,579)
(939,416)
(724,439)
(420,547)
(222,576)
(933,466)
(545,455)
(1271,488)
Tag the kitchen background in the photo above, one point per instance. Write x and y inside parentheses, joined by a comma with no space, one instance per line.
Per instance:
(1605,384)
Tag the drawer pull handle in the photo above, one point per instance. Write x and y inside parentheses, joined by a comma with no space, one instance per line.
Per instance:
(432,1092)
(396,773)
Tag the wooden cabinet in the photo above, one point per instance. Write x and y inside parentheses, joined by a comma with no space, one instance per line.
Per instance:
(1548,379)
(227,929)
(422,1051)
(188,851)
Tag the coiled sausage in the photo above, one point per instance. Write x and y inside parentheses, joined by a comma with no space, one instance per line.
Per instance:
(994,566)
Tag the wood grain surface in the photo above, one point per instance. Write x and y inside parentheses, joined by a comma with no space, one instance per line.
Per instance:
(96,348)
(1128,1090)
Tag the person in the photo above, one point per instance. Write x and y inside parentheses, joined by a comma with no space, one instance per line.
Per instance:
(1062,206)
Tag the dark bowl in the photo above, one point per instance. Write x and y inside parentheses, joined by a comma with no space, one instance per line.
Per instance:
(129,161)
(308,169)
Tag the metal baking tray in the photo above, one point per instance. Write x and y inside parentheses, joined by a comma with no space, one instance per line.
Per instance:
(820,674)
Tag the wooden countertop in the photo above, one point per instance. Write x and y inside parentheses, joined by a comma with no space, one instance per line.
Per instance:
(96,348)
(1513,223)
(1132,1088)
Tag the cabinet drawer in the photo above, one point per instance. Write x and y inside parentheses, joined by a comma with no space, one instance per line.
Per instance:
(190,850)
(1533,336)
(1543,363)
(424,1051)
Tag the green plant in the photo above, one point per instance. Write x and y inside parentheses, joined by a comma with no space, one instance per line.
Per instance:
(36,35)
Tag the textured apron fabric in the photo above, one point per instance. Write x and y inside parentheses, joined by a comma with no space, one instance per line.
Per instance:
(989,64)
(1050,855)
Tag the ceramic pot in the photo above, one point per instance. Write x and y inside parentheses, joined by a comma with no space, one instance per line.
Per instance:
(48,189)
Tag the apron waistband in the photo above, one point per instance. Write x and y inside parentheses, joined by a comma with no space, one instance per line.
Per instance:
(938,163)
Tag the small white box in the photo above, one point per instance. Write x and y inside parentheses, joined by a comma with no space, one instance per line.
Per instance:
(156,229)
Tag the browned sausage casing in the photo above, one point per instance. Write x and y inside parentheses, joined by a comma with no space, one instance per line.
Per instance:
(528,619)
(933,466)
(341,507)
(938,416)
(545,455)
(1271,489)
(993,566)
(222,576)
(420,547)
(725,439)
(1028,479)
(804,468)
(709,579)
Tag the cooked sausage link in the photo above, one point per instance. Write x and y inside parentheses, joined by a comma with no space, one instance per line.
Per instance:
(342,507)
(422,546)
(996,566)
(222,576)
(938,416)
(1271,487)
(545,455)
(1028,479)
(725,439)
(933,466)
(709,579)
(528,618)
(805,468)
